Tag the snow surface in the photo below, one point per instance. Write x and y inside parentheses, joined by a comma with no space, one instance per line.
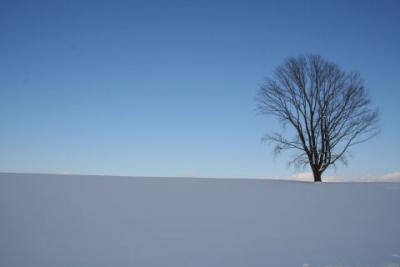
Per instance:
(67,220)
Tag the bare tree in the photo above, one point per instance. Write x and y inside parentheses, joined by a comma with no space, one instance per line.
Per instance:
(328,109)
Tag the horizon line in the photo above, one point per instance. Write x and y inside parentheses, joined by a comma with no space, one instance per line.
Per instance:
(284,179)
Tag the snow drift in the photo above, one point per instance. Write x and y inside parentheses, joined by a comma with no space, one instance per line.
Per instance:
(66,220)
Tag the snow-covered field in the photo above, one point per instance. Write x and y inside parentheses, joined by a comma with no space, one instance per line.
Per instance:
(66,220)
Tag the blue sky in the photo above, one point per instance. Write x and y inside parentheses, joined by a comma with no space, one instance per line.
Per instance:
(168,88)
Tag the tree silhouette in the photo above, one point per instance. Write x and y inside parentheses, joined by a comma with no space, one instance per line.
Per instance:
(328,109)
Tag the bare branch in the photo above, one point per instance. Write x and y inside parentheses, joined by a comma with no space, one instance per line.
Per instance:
(329,110)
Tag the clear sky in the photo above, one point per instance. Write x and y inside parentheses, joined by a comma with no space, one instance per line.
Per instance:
(168,88)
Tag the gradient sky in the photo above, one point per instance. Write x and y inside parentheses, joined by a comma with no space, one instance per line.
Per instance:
(168,88)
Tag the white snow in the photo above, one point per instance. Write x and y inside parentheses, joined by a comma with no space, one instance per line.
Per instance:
(71,220)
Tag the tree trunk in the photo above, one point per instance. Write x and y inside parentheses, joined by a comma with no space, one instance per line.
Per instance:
(317,176)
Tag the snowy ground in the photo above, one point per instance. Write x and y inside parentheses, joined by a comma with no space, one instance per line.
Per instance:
(51,221)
